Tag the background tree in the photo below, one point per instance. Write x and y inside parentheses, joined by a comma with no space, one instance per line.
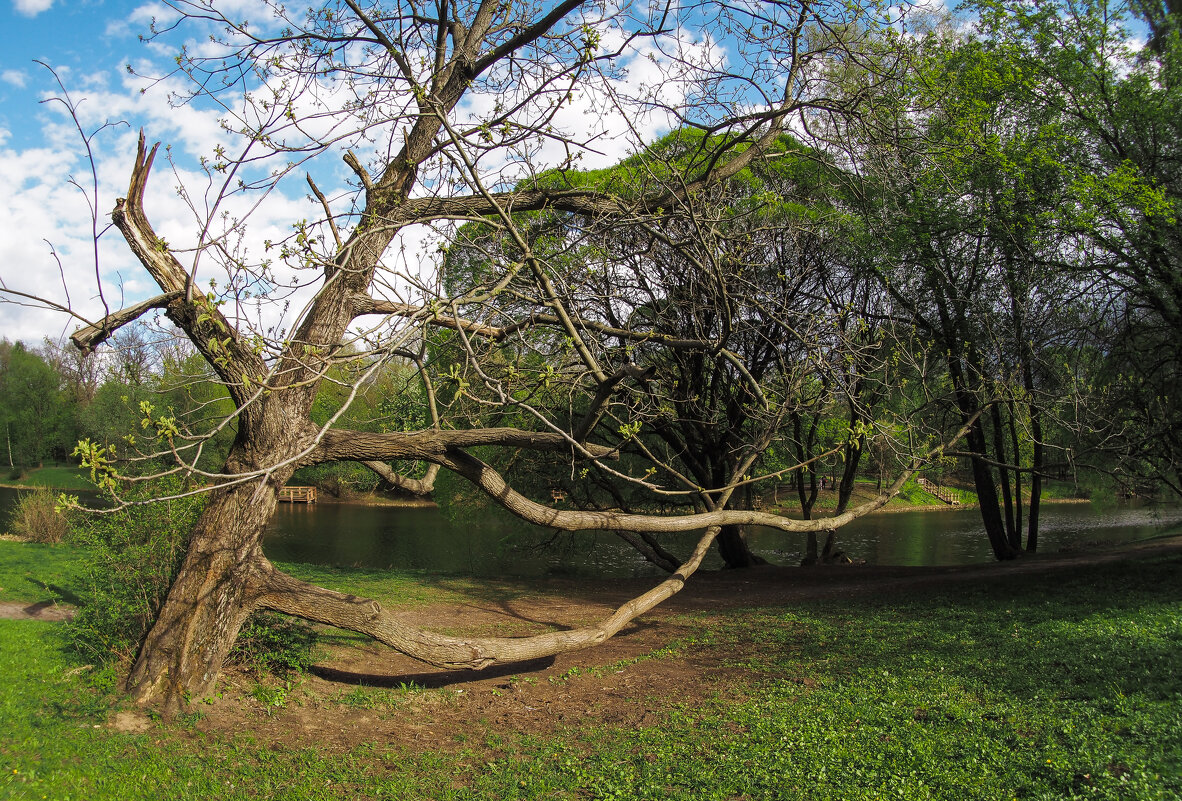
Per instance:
(974,204)
(34,407)
(1119,108)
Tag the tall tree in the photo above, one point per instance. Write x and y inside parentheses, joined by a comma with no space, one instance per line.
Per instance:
(974,203)
(451,105)
(1120,108)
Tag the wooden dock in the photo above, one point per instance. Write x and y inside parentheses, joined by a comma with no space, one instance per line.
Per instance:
(297,494)
(948,496)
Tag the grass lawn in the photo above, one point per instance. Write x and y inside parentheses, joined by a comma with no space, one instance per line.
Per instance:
(61,478)
(35,572)
(1015,687)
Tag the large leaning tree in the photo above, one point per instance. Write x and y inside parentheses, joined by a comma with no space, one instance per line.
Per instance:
(443,112)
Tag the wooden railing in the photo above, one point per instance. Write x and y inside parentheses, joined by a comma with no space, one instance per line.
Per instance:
(297,494)
(948,496)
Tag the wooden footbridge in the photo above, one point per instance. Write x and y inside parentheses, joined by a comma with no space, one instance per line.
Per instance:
(948,496)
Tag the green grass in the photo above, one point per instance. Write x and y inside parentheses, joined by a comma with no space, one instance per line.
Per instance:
(63,478)
(35,572)
(1013,688)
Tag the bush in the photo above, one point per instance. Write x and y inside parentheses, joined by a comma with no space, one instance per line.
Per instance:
(35,518)
(134,556)
(274,643)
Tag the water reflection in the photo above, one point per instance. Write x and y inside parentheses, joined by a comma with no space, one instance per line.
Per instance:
(425,539)
(493,545)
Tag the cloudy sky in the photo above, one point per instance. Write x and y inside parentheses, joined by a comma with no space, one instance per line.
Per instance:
(46,233)
(52,203)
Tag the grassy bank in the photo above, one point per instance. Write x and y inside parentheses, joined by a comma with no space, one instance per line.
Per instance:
(1011,687)
(59,478)
(912,496)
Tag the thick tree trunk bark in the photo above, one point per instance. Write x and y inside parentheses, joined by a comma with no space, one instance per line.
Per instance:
(208,602)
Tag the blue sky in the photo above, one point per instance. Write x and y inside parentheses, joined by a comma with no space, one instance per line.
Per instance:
(46,243)
(80,40)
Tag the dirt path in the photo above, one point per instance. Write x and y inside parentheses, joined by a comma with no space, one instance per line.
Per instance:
(41,610)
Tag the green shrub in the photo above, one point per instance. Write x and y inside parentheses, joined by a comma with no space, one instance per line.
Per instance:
(34,518)
(274,643)
(134,555)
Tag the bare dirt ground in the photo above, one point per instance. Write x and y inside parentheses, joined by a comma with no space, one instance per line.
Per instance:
(363,692)
(42,610)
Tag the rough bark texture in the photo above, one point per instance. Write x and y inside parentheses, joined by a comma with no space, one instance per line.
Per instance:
(208,602)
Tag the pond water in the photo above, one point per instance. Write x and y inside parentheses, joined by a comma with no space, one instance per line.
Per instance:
(355,535)
(426,539)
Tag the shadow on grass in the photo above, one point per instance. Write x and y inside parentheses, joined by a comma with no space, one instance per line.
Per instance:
(57,592)
(431,680)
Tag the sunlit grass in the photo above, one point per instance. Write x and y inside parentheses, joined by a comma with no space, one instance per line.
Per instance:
(1018,687)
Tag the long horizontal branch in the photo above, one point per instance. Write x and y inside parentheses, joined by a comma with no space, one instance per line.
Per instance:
(494,485)
(433,445)
(283,593)
(415,486)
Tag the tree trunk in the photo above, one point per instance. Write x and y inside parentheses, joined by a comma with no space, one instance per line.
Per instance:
(1015,444)
(208,602)
(1003,473)
(1035,478)
(982,474)
(810,551)
(845,489)
(732,546)
(809,497)
(987,496)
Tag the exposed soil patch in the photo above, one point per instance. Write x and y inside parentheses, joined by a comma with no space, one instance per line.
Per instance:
(42,610)
(363,692)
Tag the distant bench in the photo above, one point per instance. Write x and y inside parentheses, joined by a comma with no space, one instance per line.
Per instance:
(297,494)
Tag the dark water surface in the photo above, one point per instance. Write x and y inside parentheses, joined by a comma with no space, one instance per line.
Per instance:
(491,545)
(426,539)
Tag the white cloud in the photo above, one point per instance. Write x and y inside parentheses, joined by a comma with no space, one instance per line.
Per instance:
(17,78)
(31,8)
